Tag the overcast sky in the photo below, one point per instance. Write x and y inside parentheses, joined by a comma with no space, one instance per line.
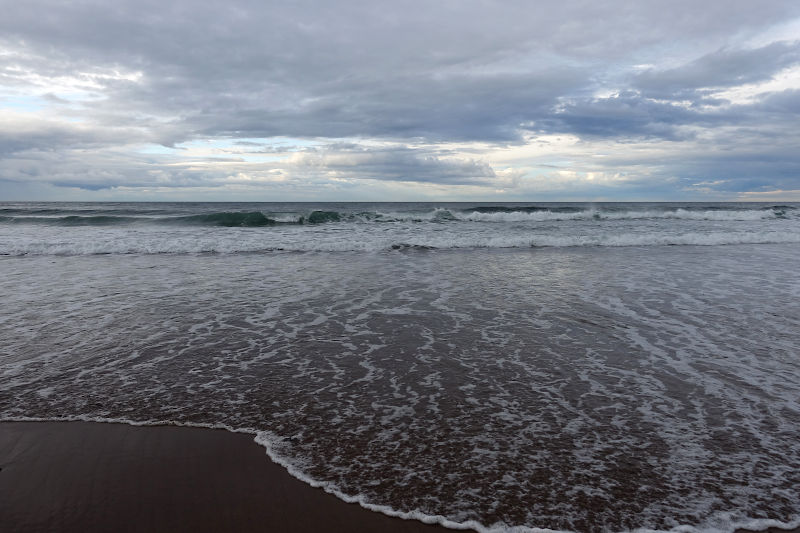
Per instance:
(403,100)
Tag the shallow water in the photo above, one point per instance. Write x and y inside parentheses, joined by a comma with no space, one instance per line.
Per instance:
(589,388)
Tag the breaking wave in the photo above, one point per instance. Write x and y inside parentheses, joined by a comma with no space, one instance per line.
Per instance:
(516,214)
(248,242)
(541,215)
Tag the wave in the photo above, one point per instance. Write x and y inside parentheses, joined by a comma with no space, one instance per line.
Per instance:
(70,220)
(245,242)
(320,217)
(567,213)
(526,209)
(226,219)
(593,214)
(494,214)
(614,240)
(229,219)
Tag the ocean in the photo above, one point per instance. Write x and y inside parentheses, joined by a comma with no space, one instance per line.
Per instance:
(499,366)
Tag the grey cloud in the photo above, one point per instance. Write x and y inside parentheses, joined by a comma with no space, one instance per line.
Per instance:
(784,103)
(633,116)
(464,71)
(394,164)
(770,169)
(722,68)
(105,169)
(408,72)
(50,136)
(735,160)
(625,115)
(459,108)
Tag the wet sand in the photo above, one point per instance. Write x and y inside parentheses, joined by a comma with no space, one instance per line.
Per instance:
(90,477)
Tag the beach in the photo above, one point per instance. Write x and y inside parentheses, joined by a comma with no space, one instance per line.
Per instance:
(84,476)
(87,476)
(572,367)
(502,267)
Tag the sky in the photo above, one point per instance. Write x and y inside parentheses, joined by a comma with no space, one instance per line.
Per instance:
(309,100)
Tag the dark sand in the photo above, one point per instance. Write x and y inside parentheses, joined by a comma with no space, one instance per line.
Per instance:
(90,477)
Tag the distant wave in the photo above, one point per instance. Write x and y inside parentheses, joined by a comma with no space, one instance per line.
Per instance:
(541,215)
(225,219)
(614,208)
(494,214)
(70,220)
(527,209)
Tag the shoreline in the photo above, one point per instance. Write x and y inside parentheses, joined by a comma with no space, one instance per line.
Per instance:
(93,476)
(98,476)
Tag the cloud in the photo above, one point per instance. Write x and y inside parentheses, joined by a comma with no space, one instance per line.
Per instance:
(25,132)
(293,168)
(627,115)
(393,164)
(390,92)
(722,68)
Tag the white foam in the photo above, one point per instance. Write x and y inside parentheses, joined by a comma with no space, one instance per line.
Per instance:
(436,228)
(720,522)
(506,361)
(691,239)
(253,241)
(594,214)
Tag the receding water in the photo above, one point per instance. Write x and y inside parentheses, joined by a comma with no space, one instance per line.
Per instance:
(602,386)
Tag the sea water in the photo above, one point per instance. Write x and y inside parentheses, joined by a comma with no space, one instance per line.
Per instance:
(578,367)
